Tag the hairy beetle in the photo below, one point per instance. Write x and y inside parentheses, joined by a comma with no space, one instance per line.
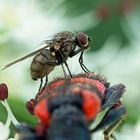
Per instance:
(67,107)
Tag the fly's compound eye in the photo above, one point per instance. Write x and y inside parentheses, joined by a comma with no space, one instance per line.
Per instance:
(82,40)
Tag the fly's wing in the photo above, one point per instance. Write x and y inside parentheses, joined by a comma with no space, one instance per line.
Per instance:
(45,45)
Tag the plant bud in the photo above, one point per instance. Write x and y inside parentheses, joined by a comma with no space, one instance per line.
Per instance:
(3,91)
(30,106)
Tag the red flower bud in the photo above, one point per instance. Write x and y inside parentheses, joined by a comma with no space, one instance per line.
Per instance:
(103,12)
(30,106)
(126,6)
(3,91)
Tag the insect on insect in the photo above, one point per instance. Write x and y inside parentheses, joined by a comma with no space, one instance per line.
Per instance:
(55,52)
(67,107)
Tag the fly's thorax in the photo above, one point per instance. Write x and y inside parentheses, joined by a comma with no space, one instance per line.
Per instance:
(63,43)
(64,36)
(64,51)
(68,47)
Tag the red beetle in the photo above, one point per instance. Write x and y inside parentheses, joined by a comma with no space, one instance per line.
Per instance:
(65,108)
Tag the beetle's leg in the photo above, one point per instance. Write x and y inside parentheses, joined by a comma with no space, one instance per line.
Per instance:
(82,64)
(111,120)
(23,127)
(25,132)
(113,95)
(108,131)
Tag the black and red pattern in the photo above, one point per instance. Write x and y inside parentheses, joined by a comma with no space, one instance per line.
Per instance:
(67,106)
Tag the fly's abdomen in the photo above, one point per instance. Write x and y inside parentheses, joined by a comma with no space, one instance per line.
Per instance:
(38,67)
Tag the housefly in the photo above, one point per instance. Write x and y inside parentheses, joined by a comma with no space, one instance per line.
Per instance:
(56,52)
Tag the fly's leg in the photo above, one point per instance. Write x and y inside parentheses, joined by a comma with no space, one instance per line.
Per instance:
(48,55)
(111,120)
(68,69)
(73,53)
(65,75)
(65,63)
(82,64)
(46,81)
(113,95)
(40,86)
(80,59)
(45,84)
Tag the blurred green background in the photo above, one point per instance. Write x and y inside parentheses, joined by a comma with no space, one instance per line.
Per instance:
(114,27)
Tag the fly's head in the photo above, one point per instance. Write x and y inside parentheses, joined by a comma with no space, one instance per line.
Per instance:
(82,40)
